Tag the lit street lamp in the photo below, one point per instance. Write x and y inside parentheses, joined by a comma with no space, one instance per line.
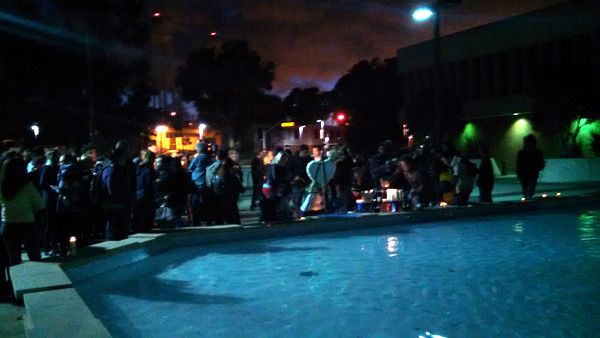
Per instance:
(281,124)
(201,128)
(422,14)
(161,131)
(36,130)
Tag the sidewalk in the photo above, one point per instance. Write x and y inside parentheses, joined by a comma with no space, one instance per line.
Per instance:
(506,189)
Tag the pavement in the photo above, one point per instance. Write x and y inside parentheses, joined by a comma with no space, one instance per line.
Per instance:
(506,189)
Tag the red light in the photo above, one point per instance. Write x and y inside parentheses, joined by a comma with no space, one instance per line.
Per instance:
(156,14)
(341,117)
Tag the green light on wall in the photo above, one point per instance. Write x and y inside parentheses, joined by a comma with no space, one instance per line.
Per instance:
(586,135)
(469,137)
(519,129)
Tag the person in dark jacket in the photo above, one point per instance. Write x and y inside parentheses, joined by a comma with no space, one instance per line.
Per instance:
(182,187)
(342,181)
(201,200)
(530,161)
(72,196)
(281,177)
(485,179)
(48,186)
(116,207)
(225,179)
(257,168)
(145,205)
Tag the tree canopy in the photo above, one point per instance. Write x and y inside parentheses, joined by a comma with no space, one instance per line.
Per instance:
(370,93)
(227,83)
(74,66)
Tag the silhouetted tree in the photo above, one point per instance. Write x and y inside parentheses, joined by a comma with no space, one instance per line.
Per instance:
(225,84)
(62,60)
(370,94)
(307,104)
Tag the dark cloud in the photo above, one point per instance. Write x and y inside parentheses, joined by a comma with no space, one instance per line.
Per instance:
(315,42)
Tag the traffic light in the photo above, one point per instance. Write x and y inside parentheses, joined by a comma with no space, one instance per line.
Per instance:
(340,117)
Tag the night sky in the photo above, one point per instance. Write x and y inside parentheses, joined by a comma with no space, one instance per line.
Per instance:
(313,42)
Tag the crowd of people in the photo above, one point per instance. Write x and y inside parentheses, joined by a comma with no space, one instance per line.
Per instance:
(50,197)
(333,180)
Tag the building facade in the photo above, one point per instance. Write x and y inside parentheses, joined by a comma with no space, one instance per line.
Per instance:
(534,73)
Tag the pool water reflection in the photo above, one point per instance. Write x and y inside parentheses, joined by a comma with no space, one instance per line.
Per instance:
(519,275)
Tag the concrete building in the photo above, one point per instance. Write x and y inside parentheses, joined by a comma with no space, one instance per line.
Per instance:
(533,73)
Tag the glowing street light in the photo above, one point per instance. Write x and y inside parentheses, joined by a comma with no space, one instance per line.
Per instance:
(161,131)
(201,128)
(422,14)
(36,130)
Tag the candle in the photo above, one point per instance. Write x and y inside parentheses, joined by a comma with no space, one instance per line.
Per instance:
(73,245)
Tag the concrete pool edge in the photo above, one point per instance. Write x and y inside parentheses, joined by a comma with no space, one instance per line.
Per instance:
(47,287)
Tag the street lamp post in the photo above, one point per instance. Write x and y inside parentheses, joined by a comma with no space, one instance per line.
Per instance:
(36,130)
(282,124)
(423,14)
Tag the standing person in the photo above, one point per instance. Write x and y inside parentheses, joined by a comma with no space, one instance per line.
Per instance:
(420,187)
(342,181)
(200,200)
(463,183)
(530,161)
(485,180)
(20,201)
(300,178)
(49,186)
(257,169)
(280,178)
(70,203)
(116,204)
(225,179)
(144,207)
(182,186)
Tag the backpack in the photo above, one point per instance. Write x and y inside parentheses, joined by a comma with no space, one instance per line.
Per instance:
(471,167)
(98,193)
(218,184)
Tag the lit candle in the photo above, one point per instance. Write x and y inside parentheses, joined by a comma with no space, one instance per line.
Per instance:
(73,245)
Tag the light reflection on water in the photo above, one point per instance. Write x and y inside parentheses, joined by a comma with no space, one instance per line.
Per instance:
(519,227)
(392,246)
(589,231)
(427,334)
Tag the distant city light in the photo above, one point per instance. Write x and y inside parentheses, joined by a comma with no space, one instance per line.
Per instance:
(340,117)
(162,129)
(36,130)
(422,14)
(173,113)
(213,34)
(156,14)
